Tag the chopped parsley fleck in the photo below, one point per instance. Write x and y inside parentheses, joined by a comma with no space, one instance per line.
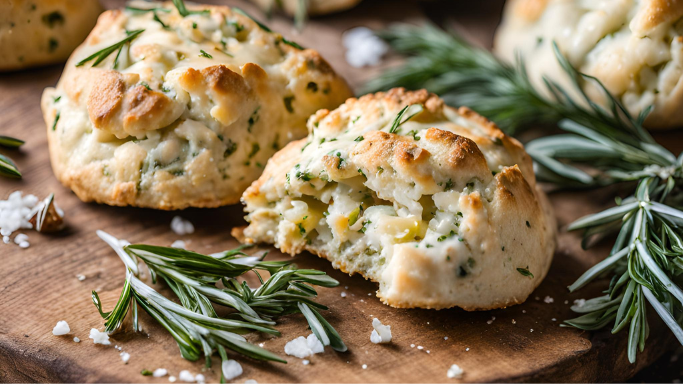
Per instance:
(312,86)
(428,246)
(254,118)
(53,18)
(302,230)
(204,54)
(56,99)
(365,226)
(254,150)
(144,84)
(54,124)
(355,119)
(444,237)
(230,149)
(194,25)
(527,224)
(359,139)
(304,147)
(238,27)
(449,185)
(146,372)
(52,45)
(362,173)
(413,133)
(525,272)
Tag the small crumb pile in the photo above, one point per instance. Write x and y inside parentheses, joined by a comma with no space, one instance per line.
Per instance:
(363,47)
(99,337)
(304,346)
(454,372)
(231,369)
(62,328)
(381,333)
(181,227)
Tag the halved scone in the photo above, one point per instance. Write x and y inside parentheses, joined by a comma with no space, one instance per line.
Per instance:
(170,109)
(441,208)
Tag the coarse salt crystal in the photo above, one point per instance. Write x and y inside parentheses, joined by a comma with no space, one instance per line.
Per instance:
(62,328)
(200,378)
(364,48)
(99,337)
(420,347)
(181,227)
(445,338)
(77,340)
(172,379)
(304,346)
(160,372)
(80,277)
(343,294)
(24,244)
(178,244)
(553,319)
(548,300)
(454,372)
(15,213)
(381,333)
(365,366)
(531,330)
(20,238)
(467,349)
(513,321)
(186,376)
(125,356)
(580,302)
(231,369)
(412,345)
(251,381)
(305,362)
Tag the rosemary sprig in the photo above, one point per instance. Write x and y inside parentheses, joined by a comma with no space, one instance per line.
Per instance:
(603,145)
(7,166)
(102,54)
(182,10)
(10,142)
(194,278)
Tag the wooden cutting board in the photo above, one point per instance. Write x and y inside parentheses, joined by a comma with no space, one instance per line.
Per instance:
(39,285)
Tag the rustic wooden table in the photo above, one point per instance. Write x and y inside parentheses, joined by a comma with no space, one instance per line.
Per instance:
(38,285)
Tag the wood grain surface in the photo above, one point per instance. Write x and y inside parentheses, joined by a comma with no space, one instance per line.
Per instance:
(39,285)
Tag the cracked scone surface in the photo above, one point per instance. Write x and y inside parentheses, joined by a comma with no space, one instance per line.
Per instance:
(634,47)
(187,113)
(440,213)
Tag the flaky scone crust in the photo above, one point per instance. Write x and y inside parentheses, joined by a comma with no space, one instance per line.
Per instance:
(510,219)
(190,115)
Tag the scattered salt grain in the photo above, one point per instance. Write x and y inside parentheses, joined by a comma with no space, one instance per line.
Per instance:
(553,319)
(20,238)
(80,277)
(365,366)
(181,227)
(513,321)
(454,372)
(523,310)
(231,369)
(172,379)
(580,302)
(343,294)
(304,346)
(178,244)
(467,349)
(186,376)
(24,244)
(15,213)
(5,239)
(62,328)
(261,345)
(531,330)
(428,352)
(77,340)
(200,378)
(125,356)
(493,318)
(99,337)
(363,47)
(305,362)
(381,333)
(251,381)
(445,338)
(420,347)
(160,372)
(412,345)
(548,300)
(537,298)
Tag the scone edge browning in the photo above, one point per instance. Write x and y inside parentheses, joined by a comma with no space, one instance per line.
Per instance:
(509,219)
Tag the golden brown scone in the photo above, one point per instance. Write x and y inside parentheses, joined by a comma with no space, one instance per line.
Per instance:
(313,7)
(187,113)
(634,47)
(40,32)
(443,212)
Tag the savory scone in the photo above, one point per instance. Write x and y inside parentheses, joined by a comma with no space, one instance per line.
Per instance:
(313,7)
(634,47)
(435,204)
(166,108)
(41,32)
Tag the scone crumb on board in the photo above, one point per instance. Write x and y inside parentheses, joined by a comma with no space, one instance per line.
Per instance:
(381,334)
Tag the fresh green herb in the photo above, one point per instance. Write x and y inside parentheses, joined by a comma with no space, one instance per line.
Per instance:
(359,139)
(525,272)
(182,10)
(254,150)
(8,168)
(54,123)
(293,44)
(52,45)
(355,215)
(194,25)
(254,118)
(444,237)
(144,84)
(238,27)
(417,108)
(230,148)
(362,173)
(449,185)
(302,230)
(223,52)
(158,20)
(413,133)
(102,54)
(312,86)
(144,10)
(56,99)
(146,372)
(10,142)
(365,226)
(194,323)
(203,53)
(261,25)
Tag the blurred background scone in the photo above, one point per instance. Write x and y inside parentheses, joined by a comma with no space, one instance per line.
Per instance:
(184,111)
(41,32)
(441,209)
(635,47)
(309,7)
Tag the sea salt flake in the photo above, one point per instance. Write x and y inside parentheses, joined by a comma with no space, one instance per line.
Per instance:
(231,369)
(186,376)
(62,328)
(445,338)
(172,379)
(125,356)
(77,340)
(455,372)
(381,333)
(181,226)
(24,244)
(178,244)
(160,372)
(99,337)
(20,238)
(364,48)
(200,378)
(304,346)
(365,366)
(343,294)
(579,302)
(305,362)
(548,300)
